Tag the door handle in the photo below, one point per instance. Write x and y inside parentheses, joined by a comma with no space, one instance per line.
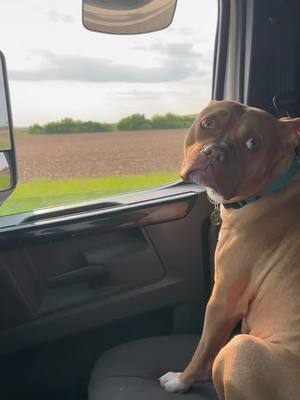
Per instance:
(86,273)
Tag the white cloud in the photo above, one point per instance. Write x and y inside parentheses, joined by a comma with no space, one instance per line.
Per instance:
(177,63)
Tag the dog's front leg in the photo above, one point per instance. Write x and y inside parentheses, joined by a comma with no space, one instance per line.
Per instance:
(222,314)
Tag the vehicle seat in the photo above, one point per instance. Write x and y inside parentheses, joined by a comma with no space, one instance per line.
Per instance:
(131,371)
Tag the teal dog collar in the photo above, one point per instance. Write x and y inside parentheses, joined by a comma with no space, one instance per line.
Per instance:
(278,184)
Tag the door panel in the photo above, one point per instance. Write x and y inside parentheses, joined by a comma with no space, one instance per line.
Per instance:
(82,269)
(78,281)
(64,274)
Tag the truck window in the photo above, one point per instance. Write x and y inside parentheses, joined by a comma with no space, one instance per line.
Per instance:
(98,115)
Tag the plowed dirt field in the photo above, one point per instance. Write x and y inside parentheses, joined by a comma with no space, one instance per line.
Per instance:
(93,155)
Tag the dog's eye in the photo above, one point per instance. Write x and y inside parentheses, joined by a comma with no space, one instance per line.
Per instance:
(208,123)
(251,143)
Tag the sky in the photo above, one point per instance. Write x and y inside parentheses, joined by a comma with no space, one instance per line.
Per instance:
(58,69)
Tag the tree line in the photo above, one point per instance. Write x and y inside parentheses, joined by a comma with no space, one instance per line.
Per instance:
(131,123)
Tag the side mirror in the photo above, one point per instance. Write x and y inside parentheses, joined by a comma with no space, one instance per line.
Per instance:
(127,17)
(8,169)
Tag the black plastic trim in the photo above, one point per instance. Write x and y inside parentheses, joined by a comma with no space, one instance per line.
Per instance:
(140,214)
(165,293)
(240,50)
(10,154)
(221,47)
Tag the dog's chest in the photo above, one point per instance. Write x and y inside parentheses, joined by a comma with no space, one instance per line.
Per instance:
(271,263)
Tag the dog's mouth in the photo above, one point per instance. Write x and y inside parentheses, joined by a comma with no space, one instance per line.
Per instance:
(210,177)
(202,176)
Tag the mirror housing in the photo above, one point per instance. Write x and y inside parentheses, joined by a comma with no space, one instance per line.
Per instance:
(8,168)
(127,17)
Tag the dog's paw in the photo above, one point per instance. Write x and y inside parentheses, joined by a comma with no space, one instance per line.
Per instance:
(171,383)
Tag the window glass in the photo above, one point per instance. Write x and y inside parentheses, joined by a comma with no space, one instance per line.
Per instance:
(98,115)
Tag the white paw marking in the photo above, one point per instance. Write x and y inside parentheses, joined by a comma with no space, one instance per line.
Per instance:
(171,383)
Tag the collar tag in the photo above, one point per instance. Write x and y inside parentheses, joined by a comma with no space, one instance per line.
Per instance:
(215,216)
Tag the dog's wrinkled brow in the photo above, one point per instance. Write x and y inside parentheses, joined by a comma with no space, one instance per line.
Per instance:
(225,118)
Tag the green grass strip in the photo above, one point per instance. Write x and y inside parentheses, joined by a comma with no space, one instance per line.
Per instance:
(44,193)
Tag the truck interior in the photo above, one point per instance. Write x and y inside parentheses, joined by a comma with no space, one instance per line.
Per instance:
(99,300)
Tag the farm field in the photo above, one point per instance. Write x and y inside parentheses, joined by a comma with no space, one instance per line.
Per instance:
(63,169)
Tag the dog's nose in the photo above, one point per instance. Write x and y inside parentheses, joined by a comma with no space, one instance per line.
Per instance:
(214,152)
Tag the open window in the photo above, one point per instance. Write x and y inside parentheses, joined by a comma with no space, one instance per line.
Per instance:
(99,115)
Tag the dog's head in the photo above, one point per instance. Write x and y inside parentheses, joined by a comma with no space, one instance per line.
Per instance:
(238,151)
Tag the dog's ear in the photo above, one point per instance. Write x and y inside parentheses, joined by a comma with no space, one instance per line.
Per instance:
(292,122)
(291,127)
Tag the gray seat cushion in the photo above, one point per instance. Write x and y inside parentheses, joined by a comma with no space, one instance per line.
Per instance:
(131,371)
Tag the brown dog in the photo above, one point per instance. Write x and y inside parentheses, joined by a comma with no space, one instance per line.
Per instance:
(247,160)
